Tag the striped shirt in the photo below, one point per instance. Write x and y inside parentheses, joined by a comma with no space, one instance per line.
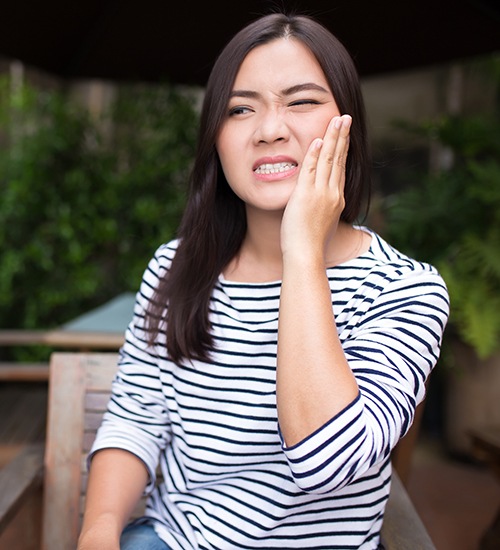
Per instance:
(229,481)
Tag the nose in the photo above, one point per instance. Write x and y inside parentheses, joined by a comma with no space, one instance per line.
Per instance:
(271,127)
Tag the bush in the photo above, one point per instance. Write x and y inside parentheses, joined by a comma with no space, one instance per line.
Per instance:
(83,209)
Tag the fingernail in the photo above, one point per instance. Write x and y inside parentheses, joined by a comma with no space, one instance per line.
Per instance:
(338,122)
(346,121)
(318,143)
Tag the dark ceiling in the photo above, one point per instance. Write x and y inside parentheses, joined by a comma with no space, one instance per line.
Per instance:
(178,41)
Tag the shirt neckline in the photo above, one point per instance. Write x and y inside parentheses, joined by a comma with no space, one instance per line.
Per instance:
(277,282)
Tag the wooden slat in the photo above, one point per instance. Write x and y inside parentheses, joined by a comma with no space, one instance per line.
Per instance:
(24,372)
(97,401)
(100,369)
(62,459)
(93,419)
(17,479)
(79,340)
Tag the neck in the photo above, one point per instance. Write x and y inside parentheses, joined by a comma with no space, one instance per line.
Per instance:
(263,235)
(259,258)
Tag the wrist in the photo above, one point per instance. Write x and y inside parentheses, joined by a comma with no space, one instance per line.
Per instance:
(304,260)
(103,533)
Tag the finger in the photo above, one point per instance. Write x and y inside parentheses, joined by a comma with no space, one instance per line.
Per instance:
(333,157)
(342,146)
(310,163)
(337,176)
(327,156)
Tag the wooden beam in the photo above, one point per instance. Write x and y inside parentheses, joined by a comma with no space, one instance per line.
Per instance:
(79,340)
(24,372)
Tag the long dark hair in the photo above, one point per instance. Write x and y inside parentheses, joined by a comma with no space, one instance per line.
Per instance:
(214,221)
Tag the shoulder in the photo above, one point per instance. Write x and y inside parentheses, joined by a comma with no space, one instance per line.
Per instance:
(156,271)
(398,272)
(160,263)
(394,263)
(164,255)
(166,251)
(384,272)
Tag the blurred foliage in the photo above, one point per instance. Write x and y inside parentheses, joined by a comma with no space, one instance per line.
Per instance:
(451,218)
(85,202)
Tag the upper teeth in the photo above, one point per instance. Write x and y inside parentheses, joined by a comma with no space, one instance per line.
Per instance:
(273,168)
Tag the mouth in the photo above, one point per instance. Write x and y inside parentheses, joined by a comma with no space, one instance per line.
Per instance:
(275,168)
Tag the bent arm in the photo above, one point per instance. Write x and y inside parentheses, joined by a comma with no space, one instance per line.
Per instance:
(401,312)
(314,381)
(117,481)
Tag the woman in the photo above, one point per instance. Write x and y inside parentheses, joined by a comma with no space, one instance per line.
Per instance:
(277,351)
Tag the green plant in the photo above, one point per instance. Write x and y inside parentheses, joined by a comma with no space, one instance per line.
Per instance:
(452,219)
(85,202)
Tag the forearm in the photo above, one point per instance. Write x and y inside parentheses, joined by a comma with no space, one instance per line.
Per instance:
(314,381)
(116,483)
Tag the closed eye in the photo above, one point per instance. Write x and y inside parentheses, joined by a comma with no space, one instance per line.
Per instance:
(299,102)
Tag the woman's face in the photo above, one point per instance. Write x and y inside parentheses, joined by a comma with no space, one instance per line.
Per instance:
(280,102)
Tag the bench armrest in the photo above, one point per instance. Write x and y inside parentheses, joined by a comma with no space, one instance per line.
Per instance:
(18,479)
(403,529)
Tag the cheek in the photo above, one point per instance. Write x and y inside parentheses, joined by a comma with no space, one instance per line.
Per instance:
(308,130)
(230,151)
(224,146)
(321,124)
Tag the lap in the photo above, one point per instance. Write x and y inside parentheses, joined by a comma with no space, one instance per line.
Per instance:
(141,537)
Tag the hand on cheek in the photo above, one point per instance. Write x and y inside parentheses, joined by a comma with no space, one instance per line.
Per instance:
(313,211)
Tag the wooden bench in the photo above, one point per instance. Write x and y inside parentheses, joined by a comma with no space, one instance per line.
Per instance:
(78,393)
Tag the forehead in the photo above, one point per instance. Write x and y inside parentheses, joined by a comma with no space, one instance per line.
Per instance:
(279,64)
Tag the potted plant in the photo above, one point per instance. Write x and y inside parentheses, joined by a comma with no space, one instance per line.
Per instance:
(451,219)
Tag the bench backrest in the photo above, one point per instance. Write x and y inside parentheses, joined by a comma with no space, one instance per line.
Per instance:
(79,390)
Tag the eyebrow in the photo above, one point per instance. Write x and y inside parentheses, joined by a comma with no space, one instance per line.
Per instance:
(306,86)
